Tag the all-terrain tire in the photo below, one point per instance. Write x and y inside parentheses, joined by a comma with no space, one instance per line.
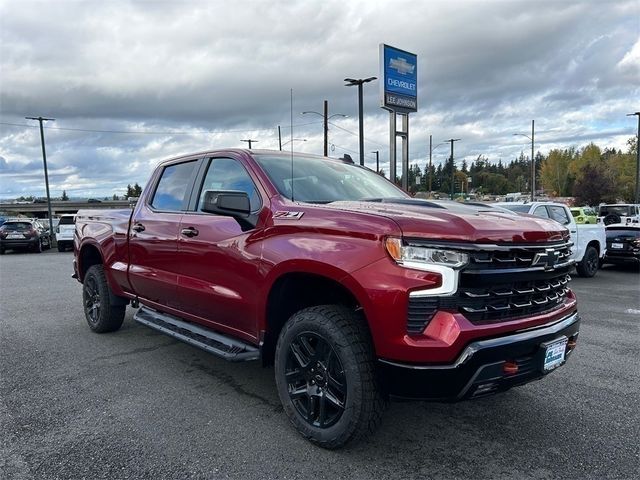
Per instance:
(344,335)
(102,316)
(588,266)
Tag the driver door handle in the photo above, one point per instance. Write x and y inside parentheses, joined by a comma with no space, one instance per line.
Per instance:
(189,232)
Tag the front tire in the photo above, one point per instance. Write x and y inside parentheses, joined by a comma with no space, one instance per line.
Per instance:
(326,377)
(589,264)
(101,315)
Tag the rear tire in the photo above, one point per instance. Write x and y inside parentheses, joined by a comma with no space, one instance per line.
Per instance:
(101,315)
(38,246)
(326,376)
(61,248)
(589,264)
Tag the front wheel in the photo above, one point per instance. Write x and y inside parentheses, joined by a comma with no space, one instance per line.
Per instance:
(326,377)
(589,264)
(101,315)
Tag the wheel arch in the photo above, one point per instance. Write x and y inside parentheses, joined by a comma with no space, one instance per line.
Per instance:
(294,290)
(88,256)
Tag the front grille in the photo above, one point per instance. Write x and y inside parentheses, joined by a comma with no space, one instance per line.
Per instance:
(501,284)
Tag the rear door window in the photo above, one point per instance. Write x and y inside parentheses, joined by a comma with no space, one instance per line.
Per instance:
(541,212)
(172,191)
(559,214)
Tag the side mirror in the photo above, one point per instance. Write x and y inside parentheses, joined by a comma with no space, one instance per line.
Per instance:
(227,202)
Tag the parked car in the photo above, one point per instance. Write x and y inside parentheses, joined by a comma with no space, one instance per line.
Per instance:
(584,215)
(589,241)
(623,244)
(619,213)
(352,289)
(24,234)
(64,232)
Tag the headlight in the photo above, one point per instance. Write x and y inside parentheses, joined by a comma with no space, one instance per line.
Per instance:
(424,255)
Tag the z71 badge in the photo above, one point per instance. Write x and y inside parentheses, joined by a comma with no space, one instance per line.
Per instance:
(288,215)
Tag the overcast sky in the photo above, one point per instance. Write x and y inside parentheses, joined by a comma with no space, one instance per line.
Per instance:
(194,75)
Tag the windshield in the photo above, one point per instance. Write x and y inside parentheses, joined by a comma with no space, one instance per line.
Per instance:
(622,210)
(323,180)
(516,208)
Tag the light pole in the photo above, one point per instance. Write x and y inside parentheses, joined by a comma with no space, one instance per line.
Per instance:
(377,152)
(533,160)
(637,157)
(451,140)
(325,124)
(359,82)
(430,155)
(46,173)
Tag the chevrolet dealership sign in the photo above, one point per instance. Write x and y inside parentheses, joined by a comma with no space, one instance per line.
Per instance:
(399,71)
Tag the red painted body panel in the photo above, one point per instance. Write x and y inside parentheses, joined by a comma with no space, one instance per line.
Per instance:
(222,277)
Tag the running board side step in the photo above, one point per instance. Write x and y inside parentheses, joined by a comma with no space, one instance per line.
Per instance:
(216,343)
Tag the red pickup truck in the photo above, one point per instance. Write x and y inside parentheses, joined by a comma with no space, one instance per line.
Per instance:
(352,289)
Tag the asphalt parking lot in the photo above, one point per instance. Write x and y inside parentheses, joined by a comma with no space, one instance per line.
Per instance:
(137,404)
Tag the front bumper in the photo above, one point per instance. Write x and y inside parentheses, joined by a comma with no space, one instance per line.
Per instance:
(479,370)
(621,257)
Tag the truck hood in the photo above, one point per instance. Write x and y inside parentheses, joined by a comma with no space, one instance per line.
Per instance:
(458,222)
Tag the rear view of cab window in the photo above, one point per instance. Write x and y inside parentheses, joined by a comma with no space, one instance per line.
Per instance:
(172,187)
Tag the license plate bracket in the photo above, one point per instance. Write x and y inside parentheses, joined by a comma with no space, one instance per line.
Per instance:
(553,354)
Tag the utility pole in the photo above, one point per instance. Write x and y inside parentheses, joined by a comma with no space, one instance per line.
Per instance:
(279,138)
(533,164)
(326,127)
(359,82)
(377,160)
(430,155)
(452,164)
(637,199)
(325,124)
(46,173)
(250,142)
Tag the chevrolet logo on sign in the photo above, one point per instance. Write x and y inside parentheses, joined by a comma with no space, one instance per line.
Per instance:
(401,65)
(548,259)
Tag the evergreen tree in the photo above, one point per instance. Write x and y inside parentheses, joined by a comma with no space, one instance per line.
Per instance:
(64,197)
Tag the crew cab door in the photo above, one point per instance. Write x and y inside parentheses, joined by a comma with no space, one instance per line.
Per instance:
(153,235)
(219,259)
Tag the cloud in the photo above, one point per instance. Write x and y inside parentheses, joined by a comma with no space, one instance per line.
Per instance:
(216,72)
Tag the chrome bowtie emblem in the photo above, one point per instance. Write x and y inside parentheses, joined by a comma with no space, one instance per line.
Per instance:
(548,259)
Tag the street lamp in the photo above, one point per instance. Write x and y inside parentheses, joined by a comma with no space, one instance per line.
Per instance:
(431,149)
(637,157)
(293,140)
(46,173)
(533,160)
(325,116)
(359,82)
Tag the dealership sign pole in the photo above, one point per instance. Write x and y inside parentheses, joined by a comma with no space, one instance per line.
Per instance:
(399,95)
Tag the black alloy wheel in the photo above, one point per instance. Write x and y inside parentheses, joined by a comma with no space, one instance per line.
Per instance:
(91,299)
(316,380)
(589,264)
(103,310)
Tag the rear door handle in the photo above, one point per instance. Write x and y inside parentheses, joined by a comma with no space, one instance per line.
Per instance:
(138,227)
(189,232)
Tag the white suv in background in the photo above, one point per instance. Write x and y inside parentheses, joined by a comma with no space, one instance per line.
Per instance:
(64,232)
(619,213)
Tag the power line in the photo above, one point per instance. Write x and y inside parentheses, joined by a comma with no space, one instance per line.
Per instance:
(138,132)
(355,134)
